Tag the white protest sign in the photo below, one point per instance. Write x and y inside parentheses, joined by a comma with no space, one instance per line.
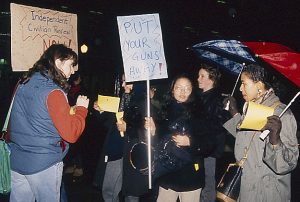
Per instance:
(142,47)
(34,29)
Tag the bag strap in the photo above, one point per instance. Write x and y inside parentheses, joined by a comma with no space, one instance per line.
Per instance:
(4,129)
(243,160)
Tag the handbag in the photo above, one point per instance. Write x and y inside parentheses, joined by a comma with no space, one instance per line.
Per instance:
(228,188)
(5,176)
(171,157)
(166,158)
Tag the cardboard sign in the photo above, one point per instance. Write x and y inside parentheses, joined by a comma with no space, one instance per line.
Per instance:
(108,103)
(34,29)
(142,47)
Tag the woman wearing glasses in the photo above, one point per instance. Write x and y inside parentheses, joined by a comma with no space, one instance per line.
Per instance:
(178,122)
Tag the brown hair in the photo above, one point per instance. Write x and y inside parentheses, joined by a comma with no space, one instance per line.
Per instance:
(46,65)
(213,74)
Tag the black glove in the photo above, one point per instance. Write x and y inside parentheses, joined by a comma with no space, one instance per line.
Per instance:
(232,105)
(274,126)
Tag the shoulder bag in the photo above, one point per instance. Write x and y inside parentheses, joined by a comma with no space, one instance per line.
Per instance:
(5,177)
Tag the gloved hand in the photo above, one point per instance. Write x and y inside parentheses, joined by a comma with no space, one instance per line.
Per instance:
(232,105)
(82,101)
(274,126)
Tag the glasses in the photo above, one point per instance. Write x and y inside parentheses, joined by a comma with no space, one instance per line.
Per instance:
(185,89)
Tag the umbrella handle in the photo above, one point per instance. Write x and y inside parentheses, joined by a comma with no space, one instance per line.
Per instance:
(264,134)
(227,105)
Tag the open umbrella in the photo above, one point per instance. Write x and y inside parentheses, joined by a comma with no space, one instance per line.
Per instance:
(227,54)
(283,59)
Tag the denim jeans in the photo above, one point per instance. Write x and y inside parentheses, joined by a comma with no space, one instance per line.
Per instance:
(42,186)
(112,182)
(208,193)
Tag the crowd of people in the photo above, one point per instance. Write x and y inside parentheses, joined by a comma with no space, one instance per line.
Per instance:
(49,114)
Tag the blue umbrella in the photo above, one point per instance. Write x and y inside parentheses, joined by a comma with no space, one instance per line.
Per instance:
(230,55)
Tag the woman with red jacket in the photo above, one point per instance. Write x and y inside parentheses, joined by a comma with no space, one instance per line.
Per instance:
(41,126)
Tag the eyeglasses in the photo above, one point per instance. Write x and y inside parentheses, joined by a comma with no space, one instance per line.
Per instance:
(185,89)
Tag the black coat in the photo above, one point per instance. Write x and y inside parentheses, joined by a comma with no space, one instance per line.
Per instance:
(135,183)
(176,116)
(211,115)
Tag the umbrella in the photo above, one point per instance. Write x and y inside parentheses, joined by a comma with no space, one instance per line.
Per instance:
(230,55)
(283,59)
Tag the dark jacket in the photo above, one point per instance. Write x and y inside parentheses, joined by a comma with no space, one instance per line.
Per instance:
(182,117)
(135,183)
(212,115)
(116,147)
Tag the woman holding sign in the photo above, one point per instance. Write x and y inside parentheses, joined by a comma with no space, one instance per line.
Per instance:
(118,174)
(267,169)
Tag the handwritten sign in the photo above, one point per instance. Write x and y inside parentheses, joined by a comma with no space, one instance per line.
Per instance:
(34,29)
(142,47)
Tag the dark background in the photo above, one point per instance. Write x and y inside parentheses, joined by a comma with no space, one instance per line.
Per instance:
(183,22)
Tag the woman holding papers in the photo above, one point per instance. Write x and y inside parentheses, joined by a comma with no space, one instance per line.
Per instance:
(267,169)
(122,134)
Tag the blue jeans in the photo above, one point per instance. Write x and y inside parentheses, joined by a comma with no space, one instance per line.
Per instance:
(208,193)
(42,186)
(112,182)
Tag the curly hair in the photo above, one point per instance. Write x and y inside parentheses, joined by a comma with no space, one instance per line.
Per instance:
(213,74)
(259,73)
(46,65)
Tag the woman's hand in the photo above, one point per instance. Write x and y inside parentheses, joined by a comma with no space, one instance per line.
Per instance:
(181,140)
(82,101)
(96,107)
(121,125)
(149,123)
(274,126)
(232,106)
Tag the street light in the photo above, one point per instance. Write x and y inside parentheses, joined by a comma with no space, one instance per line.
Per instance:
(83,48)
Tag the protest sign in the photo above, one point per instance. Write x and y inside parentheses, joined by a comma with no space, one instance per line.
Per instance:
(142,47)
(34,29)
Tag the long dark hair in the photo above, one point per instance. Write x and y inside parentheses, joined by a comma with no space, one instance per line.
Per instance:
(46,65)
(169,99)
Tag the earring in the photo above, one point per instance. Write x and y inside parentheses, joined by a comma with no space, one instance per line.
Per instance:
(259,92)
